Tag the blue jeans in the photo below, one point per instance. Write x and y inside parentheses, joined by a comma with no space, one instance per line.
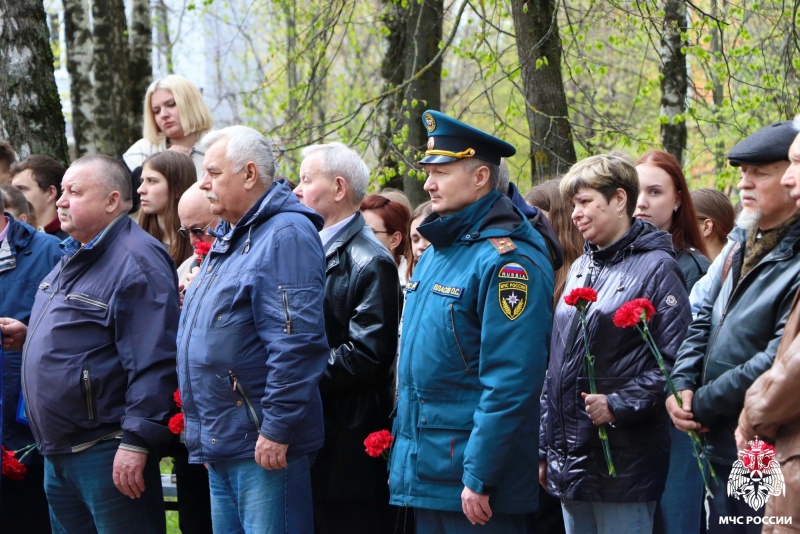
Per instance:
(682,500)
(84,499)
(608,517)
(246,498)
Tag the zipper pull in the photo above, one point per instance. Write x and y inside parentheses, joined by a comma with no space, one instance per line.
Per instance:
(235,383)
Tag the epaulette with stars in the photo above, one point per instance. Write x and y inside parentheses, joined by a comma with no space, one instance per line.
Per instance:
(503,245)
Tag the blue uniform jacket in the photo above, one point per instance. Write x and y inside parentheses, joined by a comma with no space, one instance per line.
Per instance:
(251,340)
(475,339)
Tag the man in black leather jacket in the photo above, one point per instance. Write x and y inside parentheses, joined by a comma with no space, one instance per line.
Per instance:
(736,333)
(362,312)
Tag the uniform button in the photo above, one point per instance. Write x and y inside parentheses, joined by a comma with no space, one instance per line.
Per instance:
(424,421)
(219,318)
(213,441)
(238,403)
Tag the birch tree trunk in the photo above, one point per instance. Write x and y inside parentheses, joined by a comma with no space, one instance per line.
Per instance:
(674,79)
(539,47)
(30,109)
(141,66)
(79,67)
(111,104)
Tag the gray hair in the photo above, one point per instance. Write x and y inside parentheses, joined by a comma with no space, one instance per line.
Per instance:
(495,174)
(340,160)
(503,177)
(245,145)
(113,174)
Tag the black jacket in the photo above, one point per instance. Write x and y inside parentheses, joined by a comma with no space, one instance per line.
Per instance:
(362,312)
(640,264)
(735,337)
(693,266)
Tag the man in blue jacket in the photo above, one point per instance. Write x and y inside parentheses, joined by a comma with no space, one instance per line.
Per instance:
(251,343)
(474,347)
(26,256)
(98,366)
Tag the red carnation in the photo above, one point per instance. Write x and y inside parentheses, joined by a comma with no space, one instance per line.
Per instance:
(201,251)
(176,424)
(630,313)
(177,398)
(580,297)
(378,443)
(12,468)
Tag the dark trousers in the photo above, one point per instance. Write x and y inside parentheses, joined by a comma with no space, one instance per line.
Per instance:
(438,522)
(194,497)
(353,517)
(721,507)
(23,504)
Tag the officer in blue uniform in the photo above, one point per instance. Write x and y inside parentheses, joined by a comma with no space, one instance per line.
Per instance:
(475,339)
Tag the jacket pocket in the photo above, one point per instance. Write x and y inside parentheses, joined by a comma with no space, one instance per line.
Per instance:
(444,430)
(244,402)
(87,300)
(455,336)
(88,396)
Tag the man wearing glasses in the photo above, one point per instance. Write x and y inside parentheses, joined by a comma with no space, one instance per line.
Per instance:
(197,221)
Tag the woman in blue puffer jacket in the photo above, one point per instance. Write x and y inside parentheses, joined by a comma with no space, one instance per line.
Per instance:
(624,258)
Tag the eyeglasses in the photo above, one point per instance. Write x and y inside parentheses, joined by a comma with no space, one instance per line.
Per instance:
(199,232)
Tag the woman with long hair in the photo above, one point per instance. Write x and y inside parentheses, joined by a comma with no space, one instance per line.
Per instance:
(547,197)
(623,259)
(388,220)
(665,201)
(418,244)
(165,177)
(715,219)
(175,117)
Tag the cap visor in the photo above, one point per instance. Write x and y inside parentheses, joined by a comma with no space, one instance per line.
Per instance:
(433,159)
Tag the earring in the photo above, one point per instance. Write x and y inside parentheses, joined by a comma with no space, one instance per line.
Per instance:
(620,214)
(675,209)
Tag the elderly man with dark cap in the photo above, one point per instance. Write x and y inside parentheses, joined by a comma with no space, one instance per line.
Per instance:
(474,349)
(738,329)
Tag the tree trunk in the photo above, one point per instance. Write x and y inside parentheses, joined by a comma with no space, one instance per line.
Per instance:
(31,119)
(674,79)
(141,67)
(392,71)
(111,105)
(79,66)
(539,49)
(424,33)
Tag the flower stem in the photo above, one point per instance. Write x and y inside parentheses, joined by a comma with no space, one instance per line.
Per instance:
(697,444)
(589,361)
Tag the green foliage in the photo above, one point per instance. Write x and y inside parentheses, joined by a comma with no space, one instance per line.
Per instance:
(313,74)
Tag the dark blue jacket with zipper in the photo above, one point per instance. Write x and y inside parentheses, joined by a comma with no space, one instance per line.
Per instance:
(251,341)
(99,360)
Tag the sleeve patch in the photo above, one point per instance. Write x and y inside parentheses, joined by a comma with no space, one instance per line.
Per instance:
(513,270)
(504,245)
(513,297)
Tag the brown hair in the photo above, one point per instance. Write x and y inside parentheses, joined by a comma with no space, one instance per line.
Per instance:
(684,230)
(546,196)
(45,171)
(178,168)
(423,210)
(395,217)
(14,200)
(714,205)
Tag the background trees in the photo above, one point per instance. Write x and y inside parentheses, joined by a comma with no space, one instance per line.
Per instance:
(560,79)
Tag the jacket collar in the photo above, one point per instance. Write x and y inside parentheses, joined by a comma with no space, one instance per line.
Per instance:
(345,235)
(444,231)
